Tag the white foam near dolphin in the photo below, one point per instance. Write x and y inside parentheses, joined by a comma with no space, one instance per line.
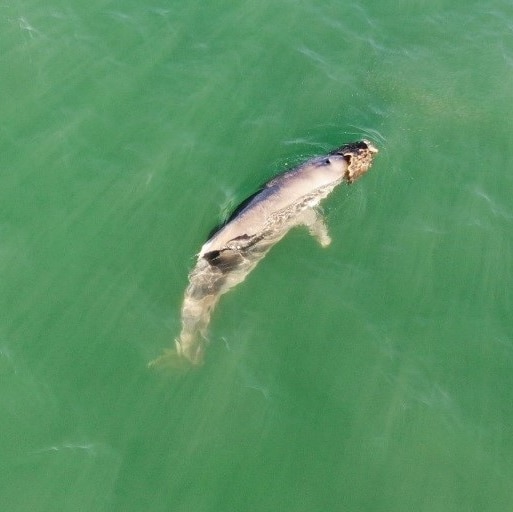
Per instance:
(228,256)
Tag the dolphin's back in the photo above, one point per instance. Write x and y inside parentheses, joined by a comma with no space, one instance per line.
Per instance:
(307,184)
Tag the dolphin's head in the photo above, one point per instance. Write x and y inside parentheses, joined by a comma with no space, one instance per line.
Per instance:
(359,156)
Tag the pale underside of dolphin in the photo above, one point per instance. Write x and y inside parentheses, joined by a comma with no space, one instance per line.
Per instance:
(290,199)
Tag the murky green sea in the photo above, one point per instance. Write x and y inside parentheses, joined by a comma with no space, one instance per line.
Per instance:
(374,375)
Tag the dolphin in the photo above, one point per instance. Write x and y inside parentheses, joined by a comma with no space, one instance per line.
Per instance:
(290,199)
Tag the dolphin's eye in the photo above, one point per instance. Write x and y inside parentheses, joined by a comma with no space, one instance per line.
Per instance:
(326,161)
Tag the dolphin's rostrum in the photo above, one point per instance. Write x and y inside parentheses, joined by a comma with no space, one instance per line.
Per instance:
(288,200)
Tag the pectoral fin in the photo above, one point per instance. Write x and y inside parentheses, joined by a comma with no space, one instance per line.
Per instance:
(314,221)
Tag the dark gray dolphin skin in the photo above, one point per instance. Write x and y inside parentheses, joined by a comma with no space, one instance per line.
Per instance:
(290,199)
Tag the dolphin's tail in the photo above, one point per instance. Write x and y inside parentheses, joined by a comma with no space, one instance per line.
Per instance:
(212,276)
(205,288)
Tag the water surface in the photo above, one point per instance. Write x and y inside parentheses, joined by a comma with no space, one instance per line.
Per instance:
(375,375)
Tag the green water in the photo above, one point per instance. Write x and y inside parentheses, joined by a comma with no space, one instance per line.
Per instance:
(375,375)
